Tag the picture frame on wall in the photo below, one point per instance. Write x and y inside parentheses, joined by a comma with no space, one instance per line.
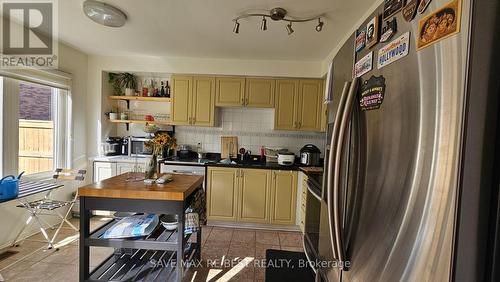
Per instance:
(372,30)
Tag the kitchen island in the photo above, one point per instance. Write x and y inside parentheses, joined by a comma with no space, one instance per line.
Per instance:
(145,258)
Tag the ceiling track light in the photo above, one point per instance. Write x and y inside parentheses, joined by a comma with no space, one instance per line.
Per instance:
(236,28)
(278,14)
(319,27)
(264,24)
(289,28)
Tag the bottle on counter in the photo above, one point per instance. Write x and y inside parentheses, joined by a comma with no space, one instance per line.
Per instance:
(156,91)
(168,90)
(145,88)
(151,89)
(162,90)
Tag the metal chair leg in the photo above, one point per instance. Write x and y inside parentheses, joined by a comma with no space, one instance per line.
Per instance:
(44,233)
(28,223)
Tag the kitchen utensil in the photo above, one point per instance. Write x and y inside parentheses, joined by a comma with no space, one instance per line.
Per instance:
(113,116)
(286,158)
(9,187)
(184,151)
(272,154)
(310,155)
(229,146)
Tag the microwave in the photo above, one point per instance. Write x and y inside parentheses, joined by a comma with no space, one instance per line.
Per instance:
(137,147)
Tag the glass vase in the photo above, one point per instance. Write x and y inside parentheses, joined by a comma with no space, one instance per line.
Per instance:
(152,167)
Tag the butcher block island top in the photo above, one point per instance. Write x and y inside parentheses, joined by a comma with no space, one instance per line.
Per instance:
(119,187)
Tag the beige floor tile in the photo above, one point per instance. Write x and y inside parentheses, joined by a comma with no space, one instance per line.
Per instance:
(292,239)
(66,273)
(6,263)
(267,238)
(25,248)
(260,250)
(39,255)
(243,235)
(98,254)
(65,255)
(241,249)
(220,234)
(17,269)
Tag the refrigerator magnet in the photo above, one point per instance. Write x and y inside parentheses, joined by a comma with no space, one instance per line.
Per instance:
(372,32)
(372,93)
(393,51)
(364,65)
(439,24)
(410,10)
(389,30)
(391,7)
(423,5)
(360,39)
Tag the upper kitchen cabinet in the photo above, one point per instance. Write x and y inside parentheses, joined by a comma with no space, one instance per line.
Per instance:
(203,105)
(193,100)
(310,105)
(298,105)
(182,92)
(230,91)
(259,93)
(287,100)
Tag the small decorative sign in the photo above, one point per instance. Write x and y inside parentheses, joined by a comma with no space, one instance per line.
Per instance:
(372,32)
(397,49)
(389,30)
(440,24)
(423,5)
(364,65)
(391,7)
(372,93)
(360,39)
(410,10)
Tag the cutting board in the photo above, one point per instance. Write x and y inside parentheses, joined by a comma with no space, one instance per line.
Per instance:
(229,146)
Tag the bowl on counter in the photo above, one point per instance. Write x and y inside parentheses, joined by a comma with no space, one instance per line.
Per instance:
(169,221)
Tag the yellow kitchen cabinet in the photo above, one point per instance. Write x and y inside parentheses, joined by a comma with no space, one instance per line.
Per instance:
(310,104)
(287,100)
(259,92)
(222,193)
(254,195)
(193,100)
(203,105)
(182,91)
(230,91)
(283,197)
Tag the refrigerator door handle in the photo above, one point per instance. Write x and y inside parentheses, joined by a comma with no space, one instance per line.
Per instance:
(332,168)
(344,126)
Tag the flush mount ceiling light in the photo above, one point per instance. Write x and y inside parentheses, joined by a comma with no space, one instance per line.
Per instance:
(278,14)
(104,14)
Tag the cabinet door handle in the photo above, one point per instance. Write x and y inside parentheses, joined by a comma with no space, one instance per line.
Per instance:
(295,125)
(243,101)
(194,120)
(241,173)
(300,125)
(246,102)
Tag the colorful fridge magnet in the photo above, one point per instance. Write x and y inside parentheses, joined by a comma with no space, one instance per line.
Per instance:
(364,65)
(410,10)
(372,93)
(397,49)
(360,39)
(389,30)
(423,5)
(391,7)
(440,24)
(372,32)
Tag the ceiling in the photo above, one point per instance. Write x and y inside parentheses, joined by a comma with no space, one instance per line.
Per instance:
(203,29)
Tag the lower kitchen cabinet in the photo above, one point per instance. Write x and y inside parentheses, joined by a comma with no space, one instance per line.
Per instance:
(104,170)
(251,195)
(283,197)
(255,186)
(222,193)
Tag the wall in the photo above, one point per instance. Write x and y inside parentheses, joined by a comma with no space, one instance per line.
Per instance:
(74,62)
(98,126)
(254,128)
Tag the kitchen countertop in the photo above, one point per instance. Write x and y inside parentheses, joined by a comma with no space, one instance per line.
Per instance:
(118,187)
(311,169)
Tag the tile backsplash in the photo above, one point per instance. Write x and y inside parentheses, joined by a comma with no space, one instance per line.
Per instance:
(254,128)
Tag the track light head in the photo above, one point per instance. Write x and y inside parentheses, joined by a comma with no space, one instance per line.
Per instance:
(264,24)
(289,28)
(319,27)
(236,28)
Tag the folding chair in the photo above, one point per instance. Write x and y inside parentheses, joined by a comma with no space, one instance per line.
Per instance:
(50,207)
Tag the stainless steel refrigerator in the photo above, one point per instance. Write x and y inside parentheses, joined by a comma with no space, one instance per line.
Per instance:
(389,199)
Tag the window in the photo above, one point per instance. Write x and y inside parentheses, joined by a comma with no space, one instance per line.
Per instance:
(35,124)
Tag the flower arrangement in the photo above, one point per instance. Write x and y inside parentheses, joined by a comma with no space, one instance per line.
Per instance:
(160,142)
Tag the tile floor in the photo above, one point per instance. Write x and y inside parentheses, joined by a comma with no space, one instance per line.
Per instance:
(228,254)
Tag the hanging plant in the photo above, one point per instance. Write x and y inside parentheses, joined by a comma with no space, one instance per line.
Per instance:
(122,81)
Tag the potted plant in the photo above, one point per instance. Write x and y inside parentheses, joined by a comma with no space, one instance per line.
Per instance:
(123,80)
(160,142)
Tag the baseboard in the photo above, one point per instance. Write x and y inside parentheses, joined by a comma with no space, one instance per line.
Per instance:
(244,225)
